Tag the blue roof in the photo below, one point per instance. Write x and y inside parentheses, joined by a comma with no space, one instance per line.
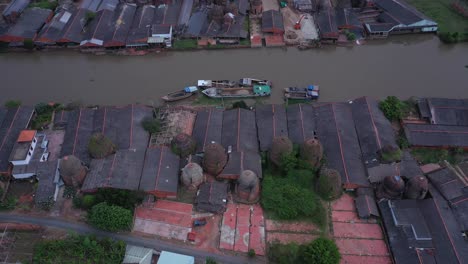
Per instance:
(170,258)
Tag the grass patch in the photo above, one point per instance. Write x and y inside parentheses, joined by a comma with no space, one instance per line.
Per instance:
(426,156)
(45,4)
(440,10)
(389,154)
(43,115)
(185,44)
(244,42)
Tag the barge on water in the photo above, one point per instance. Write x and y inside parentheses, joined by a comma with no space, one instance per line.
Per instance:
(238,92)
(244,82)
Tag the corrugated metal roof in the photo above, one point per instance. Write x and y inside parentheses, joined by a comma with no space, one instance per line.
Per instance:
(135,254)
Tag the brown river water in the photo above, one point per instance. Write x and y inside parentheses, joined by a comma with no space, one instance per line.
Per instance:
(401,66)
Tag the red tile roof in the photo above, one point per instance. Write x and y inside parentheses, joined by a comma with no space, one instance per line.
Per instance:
(26,135)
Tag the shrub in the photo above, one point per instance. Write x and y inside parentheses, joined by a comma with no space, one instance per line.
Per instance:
(402,141)
(392,108)
(320,251)
(8,203)
(288,162)
(69,192)
(448,37)
(302,177)
(88,201)
(110,217)
(283,254)
(100,146)
(210,261)
(390,154)
(151,125)
(28,44)
(287,201)
(251,253)
(12,103)
(79,249)
(89,17)
(123,198)
(240,104)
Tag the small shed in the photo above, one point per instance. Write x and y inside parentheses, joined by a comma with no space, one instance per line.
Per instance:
(167,257)
(272,22)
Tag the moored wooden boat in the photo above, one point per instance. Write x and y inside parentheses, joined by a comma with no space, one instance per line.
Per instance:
(180,95)
(302,89)
(311,92)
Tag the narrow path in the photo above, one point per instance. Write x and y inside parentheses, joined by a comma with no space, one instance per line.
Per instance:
(127,237)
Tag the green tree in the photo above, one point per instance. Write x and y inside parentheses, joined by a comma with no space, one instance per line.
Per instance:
(110,217)
(320,251)
(392,108)
(79,249)
(151,125)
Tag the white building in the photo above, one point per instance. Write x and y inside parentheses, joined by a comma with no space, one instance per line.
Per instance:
(161,35)
(29,146)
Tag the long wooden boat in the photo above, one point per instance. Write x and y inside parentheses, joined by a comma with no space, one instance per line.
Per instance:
(180,95)
(302,89)
(301,96)
(238,92)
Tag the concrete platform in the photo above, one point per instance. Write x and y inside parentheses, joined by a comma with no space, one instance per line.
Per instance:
(164,218)
(359,240)
(243,228)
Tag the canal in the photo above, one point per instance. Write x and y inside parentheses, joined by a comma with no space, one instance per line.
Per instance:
(401,66)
